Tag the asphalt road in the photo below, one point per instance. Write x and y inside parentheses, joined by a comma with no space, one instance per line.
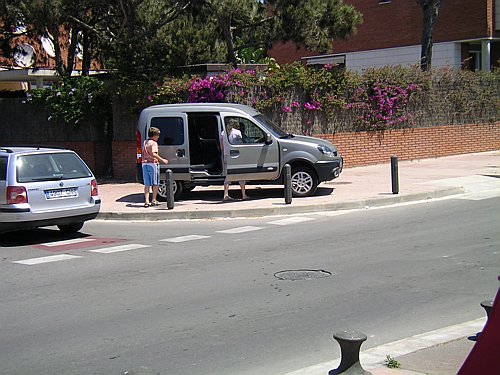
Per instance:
(144,295)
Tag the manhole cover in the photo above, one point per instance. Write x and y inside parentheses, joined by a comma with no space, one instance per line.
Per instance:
(302,274)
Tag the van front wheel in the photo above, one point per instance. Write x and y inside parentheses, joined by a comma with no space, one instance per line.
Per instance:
(304,182)
(162,190)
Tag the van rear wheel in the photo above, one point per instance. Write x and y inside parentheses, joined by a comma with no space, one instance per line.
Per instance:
(162,190)
(304,182)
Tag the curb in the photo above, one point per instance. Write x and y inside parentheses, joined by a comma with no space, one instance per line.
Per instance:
(276,211)
(373,359)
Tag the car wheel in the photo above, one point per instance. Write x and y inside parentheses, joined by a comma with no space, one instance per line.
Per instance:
(304,182)
(70,228)
(162,190)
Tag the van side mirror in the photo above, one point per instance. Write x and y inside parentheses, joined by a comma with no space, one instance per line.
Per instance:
(269,139)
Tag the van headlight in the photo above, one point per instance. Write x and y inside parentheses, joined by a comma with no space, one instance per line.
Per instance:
(327,151)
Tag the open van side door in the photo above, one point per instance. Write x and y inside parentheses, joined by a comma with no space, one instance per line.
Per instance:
(173,143)
(251,158)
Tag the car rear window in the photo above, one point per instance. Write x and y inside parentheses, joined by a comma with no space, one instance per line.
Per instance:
(47,167)
(3,168)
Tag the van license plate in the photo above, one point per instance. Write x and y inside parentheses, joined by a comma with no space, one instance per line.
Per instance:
(61,193)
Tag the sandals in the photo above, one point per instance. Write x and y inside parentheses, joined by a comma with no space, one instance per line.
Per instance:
(146,204)
(155,203)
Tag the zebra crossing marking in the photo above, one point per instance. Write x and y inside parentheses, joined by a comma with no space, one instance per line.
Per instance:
(191,237)
(67,242)
(238,230)
(116,249)
(47,259)
(290,220)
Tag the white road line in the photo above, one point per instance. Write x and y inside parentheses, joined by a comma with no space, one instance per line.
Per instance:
(290,220)
(116,249)
(375,357)
(191,237)
(48,259)
(480,195)
(335,213)
(239,230)
(67,242)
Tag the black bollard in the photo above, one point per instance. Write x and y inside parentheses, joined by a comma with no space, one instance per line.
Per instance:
(487,305)
(350,342)
(287,171)
(170,189)
(394,174)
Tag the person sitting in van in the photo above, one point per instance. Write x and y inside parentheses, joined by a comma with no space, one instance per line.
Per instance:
(234,133)
(151,166)
(234,137)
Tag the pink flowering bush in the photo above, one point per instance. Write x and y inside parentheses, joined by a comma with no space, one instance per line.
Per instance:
(382,106)
(209,89)
(327,99)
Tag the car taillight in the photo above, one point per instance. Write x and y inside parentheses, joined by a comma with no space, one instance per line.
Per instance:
(16,195)
(93,188)
(138,146)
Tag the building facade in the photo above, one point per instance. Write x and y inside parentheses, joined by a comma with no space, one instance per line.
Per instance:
(466,35)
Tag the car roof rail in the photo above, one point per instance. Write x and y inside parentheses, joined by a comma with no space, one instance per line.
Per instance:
(5,149)
(38,147)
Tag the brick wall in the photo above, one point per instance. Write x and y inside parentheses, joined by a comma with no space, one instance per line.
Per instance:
(399,23)
(124,159)
(365,148)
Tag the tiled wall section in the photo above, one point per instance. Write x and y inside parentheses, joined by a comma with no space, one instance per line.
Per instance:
(365,148)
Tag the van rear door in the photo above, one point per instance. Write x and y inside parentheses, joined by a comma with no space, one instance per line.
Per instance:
(250,158)
(173,143)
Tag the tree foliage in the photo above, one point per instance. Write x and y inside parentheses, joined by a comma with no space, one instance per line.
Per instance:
(316,23)
(144,39)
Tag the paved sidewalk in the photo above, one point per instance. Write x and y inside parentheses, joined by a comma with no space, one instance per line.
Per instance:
(356,188)
(440,352)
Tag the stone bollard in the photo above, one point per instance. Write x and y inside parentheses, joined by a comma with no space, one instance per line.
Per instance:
(487,305)
(350,342)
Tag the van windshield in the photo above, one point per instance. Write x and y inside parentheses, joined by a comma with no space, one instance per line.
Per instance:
(270,126)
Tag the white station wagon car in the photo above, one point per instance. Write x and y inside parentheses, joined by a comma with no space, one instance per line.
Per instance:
(45,186)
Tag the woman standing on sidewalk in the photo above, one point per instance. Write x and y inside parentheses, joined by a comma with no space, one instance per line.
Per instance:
(234,137)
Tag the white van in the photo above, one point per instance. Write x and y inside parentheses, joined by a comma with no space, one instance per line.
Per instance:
(190,140)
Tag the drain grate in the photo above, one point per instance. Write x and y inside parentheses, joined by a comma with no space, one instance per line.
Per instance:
(302,274)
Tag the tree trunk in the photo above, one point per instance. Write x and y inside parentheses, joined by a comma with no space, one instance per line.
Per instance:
(60,68)
(430,10)
(86,53)
(70,64)
(228,37)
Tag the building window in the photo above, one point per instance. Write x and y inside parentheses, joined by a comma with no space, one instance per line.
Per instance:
(384,1)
